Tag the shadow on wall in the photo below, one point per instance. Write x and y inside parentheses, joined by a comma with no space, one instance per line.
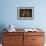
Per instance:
(2,27)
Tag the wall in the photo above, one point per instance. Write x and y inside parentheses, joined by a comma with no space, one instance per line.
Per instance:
(8,13)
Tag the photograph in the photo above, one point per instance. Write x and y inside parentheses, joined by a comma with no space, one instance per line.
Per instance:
(25,13)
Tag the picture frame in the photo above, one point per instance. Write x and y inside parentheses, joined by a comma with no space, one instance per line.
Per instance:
(25,13)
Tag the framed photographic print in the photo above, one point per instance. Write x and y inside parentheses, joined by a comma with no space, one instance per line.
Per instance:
(25,13)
